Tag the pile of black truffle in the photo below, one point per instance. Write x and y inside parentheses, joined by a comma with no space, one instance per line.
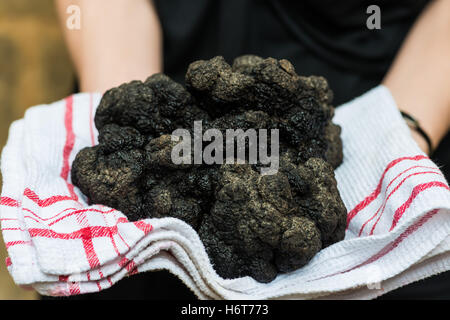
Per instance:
(250,224)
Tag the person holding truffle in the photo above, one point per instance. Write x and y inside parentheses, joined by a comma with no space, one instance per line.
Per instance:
(409,54)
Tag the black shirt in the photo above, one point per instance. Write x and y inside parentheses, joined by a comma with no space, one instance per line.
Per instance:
(320,37)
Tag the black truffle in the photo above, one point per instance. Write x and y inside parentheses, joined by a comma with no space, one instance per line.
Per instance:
(251,224)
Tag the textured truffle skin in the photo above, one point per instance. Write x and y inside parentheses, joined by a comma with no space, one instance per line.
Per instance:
(251,224)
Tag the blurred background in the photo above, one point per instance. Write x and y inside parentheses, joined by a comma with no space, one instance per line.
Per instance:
(34,68)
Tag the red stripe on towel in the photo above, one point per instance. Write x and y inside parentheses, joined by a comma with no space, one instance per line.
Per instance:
(416,191)
(15,243)
(8,202)
(389,247)
(383,205)
(360,206)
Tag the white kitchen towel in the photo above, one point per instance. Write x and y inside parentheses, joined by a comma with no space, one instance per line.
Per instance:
(397,199)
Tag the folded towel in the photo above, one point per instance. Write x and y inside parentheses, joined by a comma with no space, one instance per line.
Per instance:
(397,199)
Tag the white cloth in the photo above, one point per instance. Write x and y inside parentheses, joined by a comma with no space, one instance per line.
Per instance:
(61,246)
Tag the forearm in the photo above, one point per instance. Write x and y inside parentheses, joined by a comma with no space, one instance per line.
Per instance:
(119,41)
(419,78)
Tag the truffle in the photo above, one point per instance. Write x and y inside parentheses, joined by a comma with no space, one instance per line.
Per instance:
(250,224)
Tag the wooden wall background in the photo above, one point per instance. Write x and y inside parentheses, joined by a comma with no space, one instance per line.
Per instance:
(34,69)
